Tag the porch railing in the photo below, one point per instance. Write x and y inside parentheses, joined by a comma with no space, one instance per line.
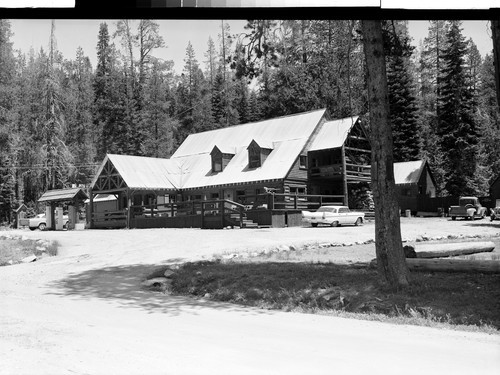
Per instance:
(288,201)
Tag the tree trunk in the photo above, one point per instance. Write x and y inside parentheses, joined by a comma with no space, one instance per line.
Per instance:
(495,34)
(391,262)
(454,265)
(439,250)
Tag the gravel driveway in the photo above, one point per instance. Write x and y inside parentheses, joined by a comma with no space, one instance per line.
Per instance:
(84,312)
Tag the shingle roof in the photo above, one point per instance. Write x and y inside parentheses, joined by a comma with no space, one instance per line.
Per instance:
(408,172)
(333,134)
(62,195)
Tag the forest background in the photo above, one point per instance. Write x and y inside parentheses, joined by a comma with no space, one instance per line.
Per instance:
(59,116)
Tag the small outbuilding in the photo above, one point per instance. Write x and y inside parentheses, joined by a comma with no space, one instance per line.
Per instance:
(73,197)
(414,183)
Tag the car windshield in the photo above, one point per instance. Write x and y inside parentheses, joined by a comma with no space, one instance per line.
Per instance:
(327,209)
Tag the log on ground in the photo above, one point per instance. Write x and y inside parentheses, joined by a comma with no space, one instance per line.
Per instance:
(453,265)
(439,250)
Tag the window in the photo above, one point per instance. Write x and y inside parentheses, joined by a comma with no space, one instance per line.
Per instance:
(297,190)
(303,161)
(254,157)
(343,210)
(217,162)
(220,159)
(214,196)
(327,209)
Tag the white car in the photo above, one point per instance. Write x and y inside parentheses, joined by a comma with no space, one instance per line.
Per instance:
(40,222)
(333,216)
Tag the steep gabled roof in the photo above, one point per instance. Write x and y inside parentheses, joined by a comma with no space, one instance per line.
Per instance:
(139,172)
(191,164)
(333,134)
(199,173)
(298,126)
(286,136)
(408,172)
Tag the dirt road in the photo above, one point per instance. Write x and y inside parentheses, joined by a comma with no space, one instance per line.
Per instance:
(84,312)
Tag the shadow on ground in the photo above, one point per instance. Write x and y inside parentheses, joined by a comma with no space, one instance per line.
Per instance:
(121,285)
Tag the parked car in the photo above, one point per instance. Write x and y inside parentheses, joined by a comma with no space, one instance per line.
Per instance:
(40,222)
(468,208)
(333,216)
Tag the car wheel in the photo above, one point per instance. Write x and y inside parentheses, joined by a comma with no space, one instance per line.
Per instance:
(334,224)
(42,226)
(314,224)
(453,218)
(359,221)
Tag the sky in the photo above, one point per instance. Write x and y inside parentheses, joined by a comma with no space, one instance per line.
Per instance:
(70,34)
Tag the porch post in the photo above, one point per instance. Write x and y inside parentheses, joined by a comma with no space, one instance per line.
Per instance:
(344,177)
(222,210)
(91,209)
(202,214)
(129,202)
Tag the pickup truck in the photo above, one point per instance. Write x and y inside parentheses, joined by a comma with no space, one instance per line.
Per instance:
(468,208)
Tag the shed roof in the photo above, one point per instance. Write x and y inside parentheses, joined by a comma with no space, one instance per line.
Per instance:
(408,172)
(61,195)
(333,134)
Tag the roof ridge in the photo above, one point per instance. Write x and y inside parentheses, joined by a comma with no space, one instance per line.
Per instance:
(255,122)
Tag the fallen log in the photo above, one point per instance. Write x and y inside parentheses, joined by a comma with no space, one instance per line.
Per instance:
(441,250)
(453,265)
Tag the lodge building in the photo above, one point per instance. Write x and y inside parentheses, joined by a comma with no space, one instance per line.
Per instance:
(260,173)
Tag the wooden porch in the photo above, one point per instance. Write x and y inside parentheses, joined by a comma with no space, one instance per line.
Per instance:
(252,211)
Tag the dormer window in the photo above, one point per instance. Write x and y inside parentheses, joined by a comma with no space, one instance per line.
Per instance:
(254,157)
(258,153)
(220,159)
(217,163)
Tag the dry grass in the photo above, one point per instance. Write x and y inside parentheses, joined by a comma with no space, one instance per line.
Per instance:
(13,250)
(462,301)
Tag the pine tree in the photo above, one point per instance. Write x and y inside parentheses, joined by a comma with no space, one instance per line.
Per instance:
(489,118)
(457,128)
(429,65)
(403,110)
(210,62)
(158,138)
(254,113)
(78,100)
(105,122)
(8,172)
